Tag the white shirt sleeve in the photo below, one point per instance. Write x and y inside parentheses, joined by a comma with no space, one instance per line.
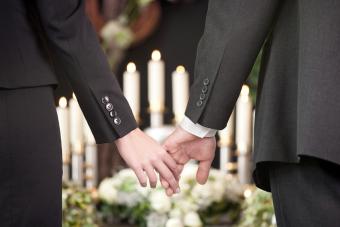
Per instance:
(196,129)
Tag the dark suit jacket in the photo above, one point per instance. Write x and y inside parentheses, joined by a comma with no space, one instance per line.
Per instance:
(298,100)
(38,36)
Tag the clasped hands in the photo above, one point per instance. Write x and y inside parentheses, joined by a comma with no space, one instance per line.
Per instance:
(146,157)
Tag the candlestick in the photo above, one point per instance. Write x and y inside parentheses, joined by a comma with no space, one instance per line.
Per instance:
(131,88)
(180,92)
(156,82)
(63,119)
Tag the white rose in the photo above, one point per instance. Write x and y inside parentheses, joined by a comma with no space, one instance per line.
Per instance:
(218,191)
(107,192)
(156,220)
(160,202)
(174,222)
(175,213)
(192,219)
(187,205)
(203,194)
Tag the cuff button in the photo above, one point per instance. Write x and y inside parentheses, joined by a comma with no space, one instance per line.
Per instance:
(117,121)
(113,113)
(206,81)
(109,107)
(105,99)
(204,89)
(202,96)
(199,103)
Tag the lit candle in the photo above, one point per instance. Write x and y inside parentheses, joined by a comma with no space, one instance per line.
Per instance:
(226,142)
(180,92)
(156,82)
(131,88)
(76,125)
(244,116)
(63,118)
(227,134)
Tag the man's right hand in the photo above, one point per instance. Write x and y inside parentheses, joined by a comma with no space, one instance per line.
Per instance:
(183,146)
(142,153)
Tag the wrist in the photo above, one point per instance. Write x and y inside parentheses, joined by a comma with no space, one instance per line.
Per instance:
(126,138)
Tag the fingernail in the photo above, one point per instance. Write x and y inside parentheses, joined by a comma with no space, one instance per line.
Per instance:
(178,190)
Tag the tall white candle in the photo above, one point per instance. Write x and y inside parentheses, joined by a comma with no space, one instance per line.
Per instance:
(156,82)
(131,88)
(180,92)
(226,141)
(63,118)
(227,134)
(244,116)
(76,125)
(91,165)
(88,135)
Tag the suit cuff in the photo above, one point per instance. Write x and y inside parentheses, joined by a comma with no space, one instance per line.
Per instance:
(196,129)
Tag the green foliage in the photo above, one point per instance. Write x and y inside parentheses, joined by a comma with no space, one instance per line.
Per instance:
(258,210)
(78,207)
(252,80)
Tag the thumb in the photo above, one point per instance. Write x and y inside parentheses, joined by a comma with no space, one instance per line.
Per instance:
(203,171)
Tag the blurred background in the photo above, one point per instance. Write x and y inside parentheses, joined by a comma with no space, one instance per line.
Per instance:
(98,189)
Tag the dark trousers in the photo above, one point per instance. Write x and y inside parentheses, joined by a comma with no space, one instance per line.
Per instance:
(30,159)
(306,194)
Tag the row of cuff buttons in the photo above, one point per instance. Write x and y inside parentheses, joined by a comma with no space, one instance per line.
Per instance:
(203,95)
(112,112)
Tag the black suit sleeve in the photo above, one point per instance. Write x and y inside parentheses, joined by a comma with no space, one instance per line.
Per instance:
(234,33)
(76,48)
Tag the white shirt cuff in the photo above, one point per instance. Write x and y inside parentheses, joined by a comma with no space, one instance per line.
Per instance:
(196,129)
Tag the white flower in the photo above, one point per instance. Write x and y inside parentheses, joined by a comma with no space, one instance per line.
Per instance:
(144,191)
(129,199)
(107,192)
(160,202)
(187,205)
(127,173)
(174,222)
(203,194)
(115,32)
(156,220)
(176,213)
(218,191)
(192,219)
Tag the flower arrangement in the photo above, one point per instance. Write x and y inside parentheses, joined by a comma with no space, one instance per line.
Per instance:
(123,200)
(78,207)
(119,33)
(258,210)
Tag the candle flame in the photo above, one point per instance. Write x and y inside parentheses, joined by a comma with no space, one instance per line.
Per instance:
(180,69)
(131,67)
(245,90)
(156,55)
(247,193)
(62,102)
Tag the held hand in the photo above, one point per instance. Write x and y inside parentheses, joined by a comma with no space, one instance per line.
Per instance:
(141,153)
(183,146)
